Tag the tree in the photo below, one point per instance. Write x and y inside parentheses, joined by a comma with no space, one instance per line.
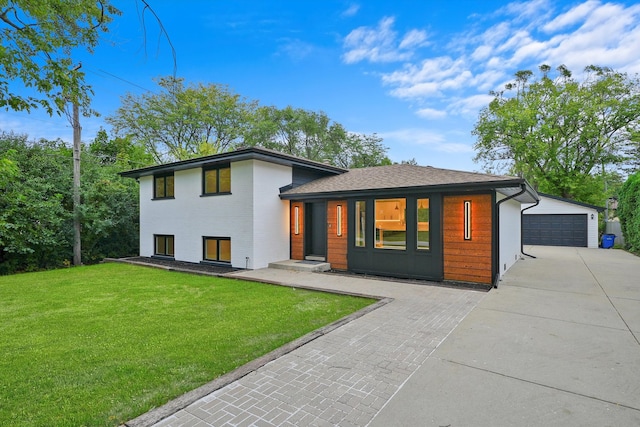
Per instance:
(629,211)
(38,38)
(181,121)
(36,209)
(313,135)
(560,133)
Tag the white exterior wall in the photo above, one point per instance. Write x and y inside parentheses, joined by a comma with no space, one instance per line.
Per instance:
(252,215)
(271,215)
(552,206)
(510,233)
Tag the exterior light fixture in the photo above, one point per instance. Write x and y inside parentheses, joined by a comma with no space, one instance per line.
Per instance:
(591,216)
(467,220)
(296,220)
(339,220)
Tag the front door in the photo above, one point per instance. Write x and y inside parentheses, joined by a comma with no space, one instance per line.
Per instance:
(315,229)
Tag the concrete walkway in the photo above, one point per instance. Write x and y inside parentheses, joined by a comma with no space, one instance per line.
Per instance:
(556,345)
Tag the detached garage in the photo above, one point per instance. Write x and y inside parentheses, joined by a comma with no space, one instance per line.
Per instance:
(556,221)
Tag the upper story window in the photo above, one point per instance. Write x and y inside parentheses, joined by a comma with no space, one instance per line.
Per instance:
(163,186)
(217,180)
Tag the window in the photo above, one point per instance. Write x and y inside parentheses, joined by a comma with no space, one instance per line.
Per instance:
(163,245)
(296,215)
(217,180)
(467,220)
(217,249)
(361,214)
(423,223)
(163,187)
(391,225)
(339,220)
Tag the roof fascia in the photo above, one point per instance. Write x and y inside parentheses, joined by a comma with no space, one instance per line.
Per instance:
(397,191)
(573,202)
(252,153)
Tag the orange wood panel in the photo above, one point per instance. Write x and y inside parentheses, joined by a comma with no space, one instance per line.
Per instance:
(468,260)
(337,245)
(297,240)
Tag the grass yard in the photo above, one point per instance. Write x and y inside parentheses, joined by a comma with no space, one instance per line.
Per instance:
(99,345)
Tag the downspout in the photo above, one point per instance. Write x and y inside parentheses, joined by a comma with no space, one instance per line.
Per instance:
(522,191)
(522,232)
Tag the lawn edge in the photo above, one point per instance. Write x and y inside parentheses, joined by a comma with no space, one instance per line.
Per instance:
(158,414)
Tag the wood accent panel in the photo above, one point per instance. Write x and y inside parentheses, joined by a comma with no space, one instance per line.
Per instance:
(297,240)
(336,245)
(468,260)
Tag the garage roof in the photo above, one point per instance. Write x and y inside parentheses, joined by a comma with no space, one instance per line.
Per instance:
(573,202)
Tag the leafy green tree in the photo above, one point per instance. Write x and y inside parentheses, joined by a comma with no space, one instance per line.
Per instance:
(38,38)
(629,211)
(558,132)
(122,152)
(36,209)
(182,122)
(313,135)
(35,206)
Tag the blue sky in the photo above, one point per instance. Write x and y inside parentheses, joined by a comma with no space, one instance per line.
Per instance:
(414,72)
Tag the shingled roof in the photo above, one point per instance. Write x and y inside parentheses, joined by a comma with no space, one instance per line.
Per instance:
(398,176)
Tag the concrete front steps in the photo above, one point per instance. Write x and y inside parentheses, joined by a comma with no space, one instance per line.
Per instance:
(300,265)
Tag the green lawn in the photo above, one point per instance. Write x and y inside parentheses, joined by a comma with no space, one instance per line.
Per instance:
(100,345)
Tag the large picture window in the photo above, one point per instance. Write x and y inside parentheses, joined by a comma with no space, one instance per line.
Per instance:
(163,186)
(217,249)
(163,245)
(423,223)
(391,225)
(361,214)
(217,180)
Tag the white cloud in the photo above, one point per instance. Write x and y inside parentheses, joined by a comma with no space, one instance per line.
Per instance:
(296,49)
(431,113)
(381,44)
(521,35)
(422,137)
(571,17)
(352,10)
(413,38)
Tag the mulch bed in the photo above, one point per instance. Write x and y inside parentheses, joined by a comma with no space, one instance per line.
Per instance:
(181,265)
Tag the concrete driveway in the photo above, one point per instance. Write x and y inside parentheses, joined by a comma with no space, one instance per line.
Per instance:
(555,345)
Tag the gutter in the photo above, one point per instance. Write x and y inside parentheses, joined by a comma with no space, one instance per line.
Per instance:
(522,232)
(523,189)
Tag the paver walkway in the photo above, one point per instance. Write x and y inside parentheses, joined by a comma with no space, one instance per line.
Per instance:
(347,376)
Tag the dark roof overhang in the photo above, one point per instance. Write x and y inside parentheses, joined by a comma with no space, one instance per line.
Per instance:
(252,153)
(506,187)
(573,202)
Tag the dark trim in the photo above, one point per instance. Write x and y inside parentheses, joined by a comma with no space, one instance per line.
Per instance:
(155,249)
(164,175)
(522,229)
(573,202)
(216,168)
(459,188)
(251,153)
(204,250)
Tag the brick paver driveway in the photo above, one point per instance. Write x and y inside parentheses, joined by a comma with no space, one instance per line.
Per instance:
(347,376)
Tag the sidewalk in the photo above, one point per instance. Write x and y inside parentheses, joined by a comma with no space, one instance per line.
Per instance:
(555,345)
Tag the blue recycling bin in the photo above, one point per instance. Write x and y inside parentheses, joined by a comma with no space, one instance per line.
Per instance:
(608,240)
